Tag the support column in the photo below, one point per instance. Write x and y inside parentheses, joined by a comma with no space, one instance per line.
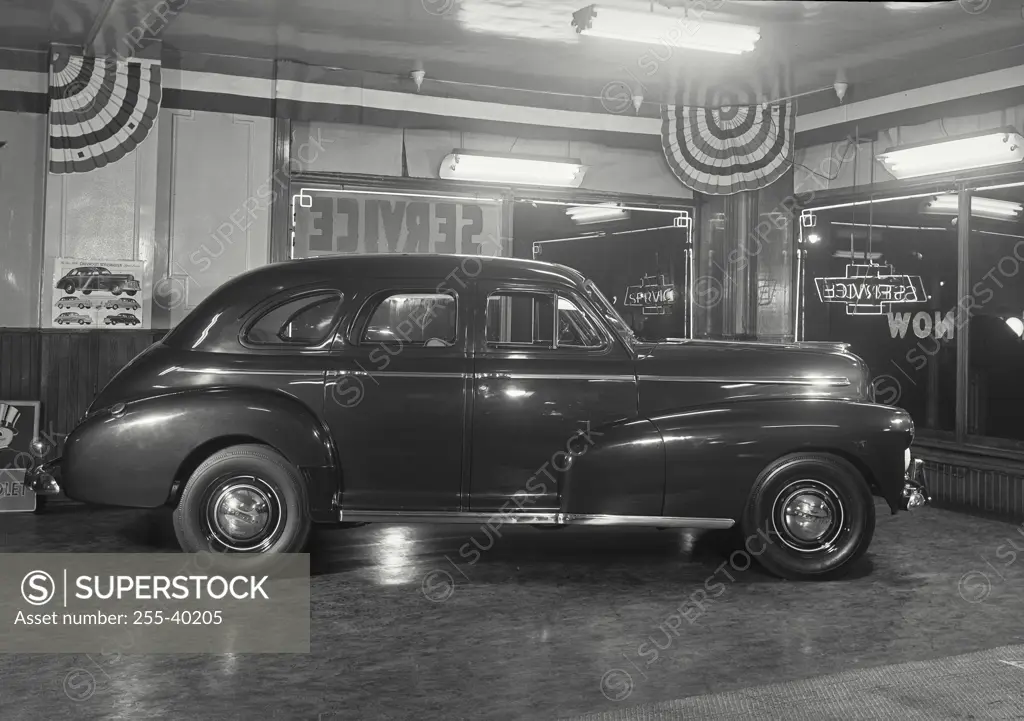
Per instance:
(963,324)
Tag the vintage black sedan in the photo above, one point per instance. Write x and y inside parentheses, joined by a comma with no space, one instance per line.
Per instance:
(457,389)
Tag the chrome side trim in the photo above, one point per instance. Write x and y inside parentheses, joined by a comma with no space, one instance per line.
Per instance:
(822,382)
(535,517)
(558,376)
(395,374)
(243,372)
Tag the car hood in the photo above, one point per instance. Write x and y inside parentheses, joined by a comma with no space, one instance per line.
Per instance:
(689,373)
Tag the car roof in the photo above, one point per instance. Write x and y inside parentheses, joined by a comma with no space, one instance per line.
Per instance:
(428,265)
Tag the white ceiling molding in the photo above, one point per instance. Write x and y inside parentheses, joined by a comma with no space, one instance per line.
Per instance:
(990,82)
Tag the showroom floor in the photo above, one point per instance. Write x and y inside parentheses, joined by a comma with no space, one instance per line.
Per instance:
(557,623)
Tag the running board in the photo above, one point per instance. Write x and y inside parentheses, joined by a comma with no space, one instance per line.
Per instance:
(553,518)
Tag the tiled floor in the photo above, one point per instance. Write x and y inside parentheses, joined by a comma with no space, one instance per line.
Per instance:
(545,624)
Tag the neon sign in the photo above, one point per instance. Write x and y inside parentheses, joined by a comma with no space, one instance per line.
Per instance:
(653,295)
(871,289)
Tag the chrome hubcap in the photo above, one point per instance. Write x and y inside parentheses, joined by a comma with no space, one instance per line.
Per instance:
(244,514)
(808,515)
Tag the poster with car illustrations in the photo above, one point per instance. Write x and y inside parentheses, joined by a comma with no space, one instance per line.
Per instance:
(97,294)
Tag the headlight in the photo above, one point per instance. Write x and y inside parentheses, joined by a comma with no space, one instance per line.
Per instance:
(906,460)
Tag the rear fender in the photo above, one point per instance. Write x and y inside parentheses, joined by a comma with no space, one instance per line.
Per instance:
(133,458)
(714,455)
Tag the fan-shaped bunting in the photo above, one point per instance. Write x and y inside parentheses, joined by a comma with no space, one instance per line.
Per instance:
(101,109)
(721,151)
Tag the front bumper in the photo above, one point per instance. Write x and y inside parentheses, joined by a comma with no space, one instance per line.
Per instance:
(915,494)
(44,479)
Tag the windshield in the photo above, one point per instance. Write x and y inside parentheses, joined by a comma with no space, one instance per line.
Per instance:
(609,312)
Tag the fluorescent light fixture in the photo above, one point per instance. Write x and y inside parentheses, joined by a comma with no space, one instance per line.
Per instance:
(991,208)
(1016,325)
(602,213)
(911,6)
(857,255)
(954,154)
(813,238)
(512,170)
(662,29)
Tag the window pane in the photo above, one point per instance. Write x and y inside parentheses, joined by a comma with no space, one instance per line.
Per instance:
(520,318)
(995,382)
(883,278)
(304,321)
(575,327)
(428,318)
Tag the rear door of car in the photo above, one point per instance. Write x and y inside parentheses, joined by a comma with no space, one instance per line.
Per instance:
(396,398)
(536,390)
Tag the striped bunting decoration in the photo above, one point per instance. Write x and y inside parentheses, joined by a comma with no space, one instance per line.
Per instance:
(721,151)
(101,109)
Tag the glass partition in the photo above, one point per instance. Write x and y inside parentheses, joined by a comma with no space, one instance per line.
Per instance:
(881,275)
(996,256)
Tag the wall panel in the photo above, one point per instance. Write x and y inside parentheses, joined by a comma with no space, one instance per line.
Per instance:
(213,222)
(22,193)
(105,214)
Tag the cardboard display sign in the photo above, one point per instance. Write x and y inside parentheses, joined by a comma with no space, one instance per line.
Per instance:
(19,425)
(97,294)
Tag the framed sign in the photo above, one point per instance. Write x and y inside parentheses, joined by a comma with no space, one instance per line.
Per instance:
(19,425)
(97,294)
(329,221)
(871,289)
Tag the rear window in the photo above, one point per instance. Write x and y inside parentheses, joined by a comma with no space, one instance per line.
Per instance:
(303,321)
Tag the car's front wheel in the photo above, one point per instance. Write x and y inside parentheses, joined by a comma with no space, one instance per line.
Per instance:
(244,499)
(810,517)
(69,288)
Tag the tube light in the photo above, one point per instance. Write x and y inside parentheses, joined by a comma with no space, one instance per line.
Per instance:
(947,156)
(512,170)
(668,30)
(586,214)
(991,208)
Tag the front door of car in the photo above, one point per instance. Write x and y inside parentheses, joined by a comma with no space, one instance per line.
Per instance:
(546,369)
(396,399)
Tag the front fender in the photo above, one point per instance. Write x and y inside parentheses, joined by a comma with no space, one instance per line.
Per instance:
(714,455)
(617,469)
(131,459)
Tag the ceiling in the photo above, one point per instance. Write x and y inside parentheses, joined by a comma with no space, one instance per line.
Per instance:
(880,47)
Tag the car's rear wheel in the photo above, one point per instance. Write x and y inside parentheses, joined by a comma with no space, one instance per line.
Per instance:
(810,517)
(244,499)
(132,292)
(116,290)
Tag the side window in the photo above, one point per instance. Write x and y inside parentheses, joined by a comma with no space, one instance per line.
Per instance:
(520,319)
(576,329)
(428,319)
(523,319)
(304,321)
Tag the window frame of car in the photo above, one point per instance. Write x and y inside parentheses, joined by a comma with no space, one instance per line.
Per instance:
(255,314)
(375,298)
(582,304)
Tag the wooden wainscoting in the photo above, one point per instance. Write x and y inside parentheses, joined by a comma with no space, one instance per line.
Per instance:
(65,369)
